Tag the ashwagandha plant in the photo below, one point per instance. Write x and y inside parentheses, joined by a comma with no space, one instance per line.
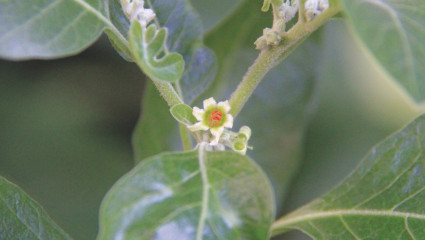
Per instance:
(212,189)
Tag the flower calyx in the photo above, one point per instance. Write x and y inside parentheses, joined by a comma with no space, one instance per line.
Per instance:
(238,142)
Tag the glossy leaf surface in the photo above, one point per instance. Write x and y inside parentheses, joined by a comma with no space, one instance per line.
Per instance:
(48,28)
(382,199)
(147,46)
(278,110)
(192,195)
(393,31)
(22,218)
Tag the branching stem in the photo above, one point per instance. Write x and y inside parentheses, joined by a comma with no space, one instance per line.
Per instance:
(272,55)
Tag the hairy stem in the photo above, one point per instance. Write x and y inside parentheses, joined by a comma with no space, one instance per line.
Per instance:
(301,11)
(185,137)
(168,93)
(272,55)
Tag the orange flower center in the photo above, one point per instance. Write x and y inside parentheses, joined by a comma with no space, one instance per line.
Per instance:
(214,119)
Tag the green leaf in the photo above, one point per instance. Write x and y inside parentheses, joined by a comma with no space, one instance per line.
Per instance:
(191,195)
(48,28)
(22,218)
(382,199)
(156,128)
(148,51)
(121,23)
(278,110)
(393,31)
(183,114)
(185,36)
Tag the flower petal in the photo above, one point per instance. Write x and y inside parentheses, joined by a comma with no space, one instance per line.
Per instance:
(224,105)
(198,113)
(229,121)
(197,127)
(216,132)
(208,103)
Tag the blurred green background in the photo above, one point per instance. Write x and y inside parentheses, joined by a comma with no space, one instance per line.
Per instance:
(66,124)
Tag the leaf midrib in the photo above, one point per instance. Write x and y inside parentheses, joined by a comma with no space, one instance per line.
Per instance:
(290,221)
(205,191)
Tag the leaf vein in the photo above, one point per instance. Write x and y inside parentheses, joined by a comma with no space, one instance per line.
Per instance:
(348,228)
(408,198)
(391,183)
(406,223)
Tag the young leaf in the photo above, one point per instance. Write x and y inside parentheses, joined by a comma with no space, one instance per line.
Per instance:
(147,47)
(285,96)
(183,114)
(191,195)
(393,31)
(48,28)
(382,199)
(185,36)
(22,218)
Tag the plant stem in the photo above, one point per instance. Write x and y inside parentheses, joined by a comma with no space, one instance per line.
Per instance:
(185,137)
(301,11)
(272,55)
(168,93)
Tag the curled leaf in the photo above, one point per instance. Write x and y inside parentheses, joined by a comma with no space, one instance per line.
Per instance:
(150,53)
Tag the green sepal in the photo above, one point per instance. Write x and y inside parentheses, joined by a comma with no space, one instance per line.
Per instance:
(183,114)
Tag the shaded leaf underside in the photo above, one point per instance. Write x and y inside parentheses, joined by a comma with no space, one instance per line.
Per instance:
(393,31)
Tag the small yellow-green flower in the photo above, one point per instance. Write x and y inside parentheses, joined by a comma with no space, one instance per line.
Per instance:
(214,117)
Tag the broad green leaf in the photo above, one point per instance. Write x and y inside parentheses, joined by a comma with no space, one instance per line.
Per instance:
(183,114)
(382,199)
(278,110)
(48,28)
(155,128)
(393,31)
(148,51)
(22,218)
(191,195)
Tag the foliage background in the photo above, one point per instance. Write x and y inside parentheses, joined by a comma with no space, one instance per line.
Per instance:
(66,124)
